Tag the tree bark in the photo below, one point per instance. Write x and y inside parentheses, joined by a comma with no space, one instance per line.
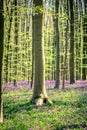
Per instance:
(15,42)
(72,80)
(66,47)
(39,92)
(10,14)
(1,55)
(56,26)
(84,69)
(33,64)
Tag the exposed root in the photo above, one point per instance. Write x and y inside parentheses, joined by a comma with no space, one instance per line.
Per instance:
(1,120)
(48,101)
(40,101)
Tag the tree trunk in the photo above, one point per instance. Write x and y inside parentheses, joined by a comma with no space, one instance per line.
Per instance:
(9,36)
(16,42)
(84,69)
(33,64)
(72,80)
(56,26)
(39,93)
(1,55)
(66,48)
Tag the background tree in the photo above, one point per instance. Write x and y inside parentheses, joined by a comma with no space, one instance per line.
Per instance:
(10,17)
(66,45)
(84,70)
(1,55)
(72,67)
(15,40)
(57,44)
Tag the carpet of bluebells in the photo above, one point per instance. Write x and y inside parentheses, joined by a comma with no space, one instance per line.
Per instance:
(25,86)
(68,111)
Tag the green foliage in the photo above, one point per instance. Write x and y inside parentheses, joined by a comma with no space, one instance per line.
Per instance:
(68,111)
(18,55)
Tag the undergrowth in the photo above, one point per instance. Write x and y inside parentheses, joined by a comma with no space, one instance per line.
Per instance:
(68,111)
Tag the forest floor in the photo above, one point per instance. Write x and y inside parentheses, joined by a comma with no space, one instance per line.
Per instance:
(68,111)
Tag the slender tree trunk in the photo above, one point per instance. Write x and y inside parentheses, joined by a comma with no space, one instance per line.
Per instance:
(84,69)
(9,36)
(39,93)
(72,80)
(57,45)
(16,42)
(66,48)
(1,55)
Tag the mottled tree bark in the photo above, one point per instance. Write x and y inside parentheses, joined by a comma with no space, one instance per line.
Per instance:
(1,55)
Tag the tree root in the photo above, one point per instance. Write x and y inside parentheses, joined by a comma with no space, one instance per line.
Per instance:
(1,120)
(40,101)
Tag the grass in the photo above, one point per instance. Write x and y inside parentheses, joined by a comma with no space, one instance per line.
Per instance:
(68,111)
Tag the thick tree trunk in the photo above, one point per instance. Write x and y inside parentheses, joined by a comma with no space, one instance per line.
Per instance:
(1,55)
(39,93)
(72,80)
